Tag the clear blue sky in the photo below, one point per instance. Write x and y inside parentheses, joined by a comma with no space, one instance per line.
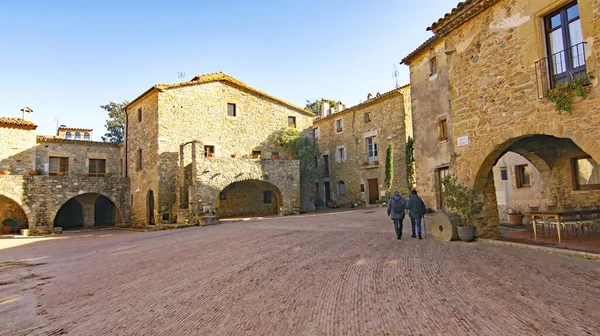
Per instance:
(66,58)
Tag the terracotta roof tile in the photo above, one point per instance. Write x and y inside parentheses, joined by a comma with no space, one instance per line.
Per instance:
(221,77)
(463,11)
(75,129)
(430,41)
(44,138)
(17,122)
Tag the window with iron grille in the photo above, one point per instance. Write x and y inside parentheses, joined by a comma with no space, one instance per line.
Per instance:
(58,165)
(97,167)
(341,188)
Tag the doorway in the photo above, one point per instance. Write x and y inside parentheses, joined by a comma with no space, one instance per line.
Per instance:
(373,191)
(327,193)
(442,173)
(150,205)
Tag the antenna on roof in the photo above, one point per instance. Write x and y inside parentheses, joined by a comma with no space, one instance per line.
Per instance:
(180,74)
(395,75)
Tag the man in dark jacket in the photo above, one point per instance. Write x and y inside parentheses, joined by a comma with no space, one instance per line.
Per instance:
(417,209)
(395,211)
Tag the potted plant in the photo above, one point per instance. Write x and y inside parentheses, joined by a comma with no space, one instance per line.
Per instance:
(211,154)
(60,174)
(515,217)
(107,174)
(375,163)
(4,172)
(32,173)
(462,200)
(255,156)
(275,157)
(6,229)
(85,174)
(364,163)
(232,156)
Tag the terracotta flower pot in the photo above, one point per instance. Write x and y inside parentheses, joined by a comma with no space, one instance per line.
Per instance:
(85,174)
(6,229)
(107,174)
(211,155)
(275,157)
(515,219)
(232,155)
(466,233)
(375,163)
(4,172)
(256,156)
(60,174)
(364,164)
(32,173)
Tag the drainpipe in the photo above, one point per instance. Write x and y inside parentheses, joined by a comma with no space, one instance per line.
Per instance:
(126,139)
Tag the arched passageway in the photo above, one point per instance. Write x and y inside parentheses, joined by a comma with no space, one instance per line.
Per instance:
(87,211)
(558,178)
(12,215)
(250,197)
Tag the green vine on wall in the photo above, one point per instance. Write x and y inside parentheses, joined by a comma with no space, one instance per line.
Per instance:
(562,95)
(409,161)
(302,148)
(389,167)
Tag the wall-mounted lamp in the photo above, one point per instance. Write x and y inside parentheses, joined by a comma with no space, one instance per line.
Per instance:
(207,170)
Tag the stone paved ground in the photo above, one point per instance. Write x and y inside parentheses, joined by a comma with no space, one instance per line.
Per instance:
(328,274)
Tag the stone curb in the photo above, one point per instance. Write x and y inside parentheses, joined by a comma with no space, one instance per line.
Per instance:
(545,249)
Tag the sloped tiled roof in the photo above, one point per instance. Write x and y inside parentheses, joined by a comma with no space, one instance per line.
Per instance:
(430,41)
(75,129)
(220,77)
(463,11)
(44,138)
(376,99)
(17,123)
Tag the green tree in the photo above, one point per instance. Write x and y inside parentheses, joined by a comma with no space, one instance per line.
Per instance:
(115,124)
(316,105)
(389,167)
(302,148)
(409,161)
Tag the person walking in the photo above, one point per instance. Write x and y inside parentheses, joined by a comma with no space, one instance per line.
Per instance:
(417,210)
(395,210)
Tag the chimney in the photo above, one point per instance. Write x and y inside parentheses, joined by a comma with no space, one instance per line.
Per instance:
(26,113)
(369,96)
(339,107)
(325,106)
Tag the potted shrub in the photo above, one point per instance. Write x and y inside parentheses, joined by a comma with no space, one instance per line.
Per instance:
(462,200)
(211,154)
(375,163)
(364,163)
(515,217)
(4,172)
(256,156)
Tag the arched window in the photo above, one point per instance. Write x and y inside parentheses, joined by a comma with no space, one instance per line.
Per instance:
(68,135)
(77,136)
(341,188)
(86,136)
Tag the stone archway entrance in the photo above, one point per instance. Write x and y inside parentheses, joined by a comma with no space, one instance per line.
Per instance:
(556,180)
(250,197)
(12,215)
(87,211)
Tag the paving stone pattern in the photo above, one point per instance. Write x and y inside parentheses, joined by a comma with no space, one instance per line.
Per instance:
(321,274)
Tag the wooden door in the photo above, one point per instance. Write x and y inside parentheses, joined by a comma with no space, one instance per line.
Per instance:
(327,193)
(373,191)
(442,172)
(150,207)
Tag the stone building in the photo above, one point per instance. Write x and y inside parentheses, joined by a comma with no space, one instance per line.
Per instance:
(51,183)
(207,146)
(353,144)
(72,133)
(496,61)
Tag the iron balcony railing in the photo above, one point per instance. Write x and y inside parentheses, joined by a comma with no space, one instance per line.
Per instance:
(560,68)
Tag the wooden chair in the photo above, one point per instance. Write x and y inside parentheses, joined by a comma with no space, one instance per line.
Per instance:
(587,219)
(551,222)
(570,221)
(539,221)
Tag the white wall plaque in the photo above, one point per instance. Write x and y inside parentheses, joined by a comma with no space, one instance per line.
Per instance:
(462,141)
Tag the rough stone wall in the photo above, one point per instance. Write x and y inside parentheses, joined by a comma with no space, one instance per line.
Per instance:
(494,97)
(143,135)
(79,154)
(17,149)
(247,198)
(199,112)
(10,209)
(215,174)
(387,125)
(408,118)
(430,104)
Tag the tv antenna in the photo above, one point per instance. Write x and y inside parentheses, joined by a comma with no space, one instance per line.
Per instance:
(181,74)
(395,75)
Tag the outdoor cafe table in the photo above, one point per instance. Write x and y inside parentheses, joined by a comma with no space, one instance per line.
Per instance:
(558,215)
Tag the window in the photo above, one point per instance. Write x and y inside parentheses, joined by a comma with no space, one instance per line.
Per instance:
(231,111)
(274,155)
(139,114)
(58,165)
(432,66)
(341,188)
(68,135)
(443,130)
(316,188)
(522,174)
(367,117)
(316,162)
(268,196)
(338,125)
(209,151)
(256,154)
(86,136)
(372,150)
(504,174)
(341,154)
(292,122)
(586,173)
(325,165)
(316,133)
(97,167)
(565,44)
(77,136)
(139,159)
(223,195)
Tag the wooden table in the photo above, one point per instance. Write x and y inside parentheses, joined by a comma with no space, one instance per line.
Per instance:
(558,215)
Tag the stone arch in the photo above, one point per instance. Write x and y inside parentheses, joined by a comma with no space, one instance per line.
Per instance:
(13,213)
(487,220)
(88,203)
(249,197)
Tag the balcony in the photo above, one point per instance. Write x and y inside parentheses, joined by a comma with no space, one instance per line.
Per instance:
(560,68)
(370,164)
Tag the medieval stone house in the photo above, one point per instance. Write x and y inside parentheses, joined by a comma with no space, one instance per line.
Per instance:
(207,146)
(48,183)
(481,84)
(353,144)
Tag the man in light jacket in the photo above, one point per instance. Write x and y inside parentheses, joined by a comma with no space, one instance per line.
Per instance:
(417,209)
(395,211)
